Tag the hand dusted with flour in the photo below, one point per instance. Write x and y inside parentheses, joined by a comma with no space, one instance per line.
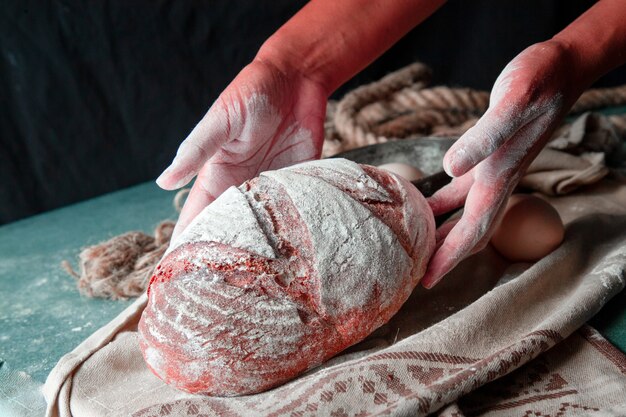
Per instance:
(272,114)
(266,119)
(528,101)
(282,273)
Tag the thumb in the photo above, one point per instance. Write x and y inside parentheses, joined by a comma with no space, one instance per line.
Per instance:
(204,140)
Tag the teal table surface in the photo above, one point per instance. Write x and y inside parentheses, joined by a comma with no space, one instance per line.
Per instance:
(42,315)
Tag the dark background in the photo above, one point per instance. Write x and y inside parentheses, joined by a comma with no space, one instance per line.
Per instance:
(97,95)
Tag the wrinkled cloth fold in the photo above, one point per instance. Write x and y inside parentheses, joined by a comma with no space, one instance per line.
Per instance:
(489,320)
(575,157)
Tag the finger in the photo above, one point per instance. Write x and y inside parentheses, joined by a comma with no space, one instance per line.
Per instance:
(452,196)
(458,244)
(442,232)
(492,130)
(196,201)
(204,140)
(469,234)
(494,180)
(212,181)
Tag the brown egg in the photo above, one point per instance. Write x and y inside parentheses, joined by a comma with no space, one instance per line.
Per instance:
(404,170)
(529,230)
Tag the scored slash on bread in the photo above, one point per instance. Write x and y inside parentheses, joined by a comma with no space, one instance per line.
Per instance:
(282,273)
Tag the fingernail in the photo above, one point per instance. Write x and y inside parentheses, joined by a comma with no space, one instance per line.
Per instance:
(431,279)
(458,164)
(447,167)
(184,179)
(429,283)
(160,180)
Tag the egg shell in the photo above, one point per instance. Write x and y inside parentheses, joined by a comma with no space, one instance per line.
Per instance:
(406,171)
(529,230)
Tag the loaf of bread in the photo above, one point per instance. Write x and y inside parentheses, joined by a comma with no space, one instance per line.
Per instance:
(283,272)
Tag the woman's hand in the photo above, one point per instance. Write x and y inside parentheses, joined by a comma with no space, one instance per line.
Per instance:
(528,101)
(267,118)
(272,114)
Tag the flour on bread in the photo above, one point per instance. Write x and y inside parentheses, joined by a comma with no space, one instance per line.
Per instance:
(345,235)
(282,273)
(217,223)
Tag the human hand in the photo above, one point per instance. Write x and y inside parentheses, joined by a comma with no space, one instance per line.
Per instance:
(267,118)
(528,101)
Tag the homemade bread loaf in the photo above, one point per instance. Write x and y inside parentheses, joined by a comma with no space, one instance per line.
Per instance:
(282,273)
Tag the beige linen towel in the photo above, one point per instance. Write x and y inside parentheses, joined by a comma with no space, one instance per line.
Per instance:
(575,157)
(484,321)
(580,376)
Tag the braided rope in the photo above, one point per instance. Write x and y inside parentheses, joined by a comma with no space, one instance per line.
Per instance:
(400,105)
(121,266)
(597,98)
(414,75)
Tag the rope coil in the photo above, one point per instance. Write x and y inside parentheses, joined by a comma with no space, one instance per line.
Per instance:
(401,105)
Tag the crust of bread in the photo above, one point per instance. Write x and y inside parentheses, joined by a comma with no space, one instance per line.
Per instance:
(282,273)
